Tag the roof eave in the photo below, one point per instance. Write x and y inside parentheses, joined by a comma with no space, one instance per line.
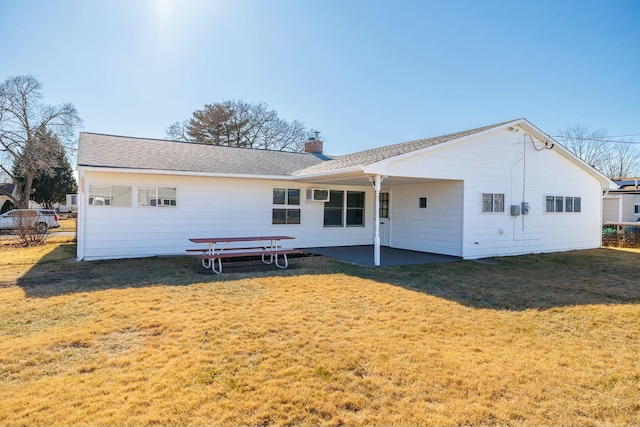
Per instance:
(327,174)
(93,168)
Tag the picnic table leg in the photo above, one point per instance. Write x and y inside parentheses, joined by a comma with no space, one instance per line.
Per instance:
(272,246)
(286,262)
(213,265)
(207,262)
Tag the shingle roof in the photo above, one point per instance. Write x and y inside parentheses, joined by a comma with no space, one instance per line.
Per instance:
(7,187)
(367,157)
(98,150)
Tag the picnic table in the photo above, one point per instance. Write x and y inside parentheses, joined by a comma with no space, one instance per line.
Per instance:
(267,247)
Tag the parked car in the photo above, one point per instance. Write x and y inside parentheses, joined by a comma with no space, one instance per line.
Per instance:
(42,219)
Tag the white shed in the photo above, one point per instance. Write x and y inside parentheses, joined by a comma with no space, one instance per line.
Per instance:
(504,189)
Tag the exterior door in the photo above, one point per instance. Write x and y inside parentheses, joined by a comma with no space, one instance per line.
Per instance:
(385,218)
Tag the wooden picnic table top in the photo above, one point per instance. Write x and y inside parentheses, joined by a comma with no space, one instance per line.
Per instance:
(237,239)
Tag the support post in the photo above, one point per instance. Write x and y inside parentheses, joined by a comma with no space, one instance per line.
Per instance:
(377,180)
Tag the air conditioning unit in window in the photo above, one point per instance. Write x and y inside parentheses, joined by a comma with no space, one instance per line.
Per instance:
(317,195)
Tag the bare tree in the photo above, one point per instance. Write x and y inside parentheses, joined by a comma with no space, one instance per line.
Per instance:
(620,160)
(32,133)
(240,124)
(586,144)
(615,158)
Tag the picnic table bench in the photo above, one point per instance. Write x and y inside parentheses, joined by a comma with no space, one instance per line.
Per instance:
(218,248)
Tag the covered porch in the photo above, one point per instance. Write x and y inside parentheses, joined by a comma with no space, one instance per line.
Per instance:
(413,220)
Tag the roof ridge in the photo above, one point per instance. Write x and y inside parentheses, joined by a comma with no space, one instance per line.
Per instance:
(193,143)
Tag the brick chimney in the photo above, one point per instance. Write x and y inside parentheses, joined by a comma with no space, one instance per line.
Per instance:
(313,145)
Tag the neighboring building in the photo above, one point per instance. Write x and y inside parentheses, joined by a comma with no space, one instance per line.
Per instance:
(504,189)
(6,188)
(622,204)
(70,206)
(10,188)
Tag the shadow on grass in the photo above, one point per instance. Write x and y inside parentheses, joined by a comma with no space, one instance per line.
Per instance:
(598,276)
(58,273)
(541,281)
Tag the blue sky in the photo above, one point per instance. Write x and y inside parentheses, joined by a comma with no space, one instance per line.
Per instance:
(363,73)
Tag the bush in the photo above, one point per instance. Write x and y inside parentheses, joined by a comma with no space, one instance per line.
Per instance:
(30,231)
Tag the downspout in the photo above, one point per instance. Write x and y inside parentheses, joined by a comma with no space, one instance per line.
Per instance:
(620,208)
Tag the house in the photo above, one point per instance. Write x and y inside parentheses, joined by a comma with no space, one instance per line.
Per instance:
(6,189)
(71,205)
(504,189)
(623,203)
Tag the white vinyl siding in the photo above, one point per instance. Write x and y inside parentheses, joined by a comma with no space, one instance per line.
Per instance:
(206,207)
(437,229)
(473,162)
(452,176)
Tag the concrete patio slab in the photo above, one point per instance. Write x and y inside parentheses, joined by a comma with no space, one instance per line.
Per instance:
(389,257)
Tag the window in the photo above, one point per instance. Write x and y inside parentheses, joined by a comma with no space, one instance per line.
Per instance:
(492,202)
(333,209)
(422,203)
(340,210)
(563,204)
(636,209)
(109,195)
(285,216)
(283,196)
(355,208)
(286,197)
(157,196)
(384,205)
(572,204)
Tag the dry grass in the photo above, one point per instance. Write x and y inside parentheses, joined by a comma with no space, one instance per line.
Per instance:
(66,224)
(536,340)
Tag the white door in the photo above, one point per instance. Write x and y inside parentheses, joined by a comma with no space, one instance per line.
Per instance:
(385,218)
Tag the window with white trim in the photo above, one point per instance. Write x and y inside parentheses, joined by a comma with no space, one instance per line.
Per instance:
(157,196)
(355,208)
(283,214)
(636,209)
(569,204)
(340,210)
(492,202)
(110,195)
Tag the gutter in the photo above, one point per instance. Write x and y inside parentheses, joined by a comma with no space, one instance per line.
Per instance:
(183,173)
(328,174)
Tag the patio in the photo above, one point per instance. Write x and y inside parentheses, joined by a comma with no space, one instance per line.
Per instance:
(389,257)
